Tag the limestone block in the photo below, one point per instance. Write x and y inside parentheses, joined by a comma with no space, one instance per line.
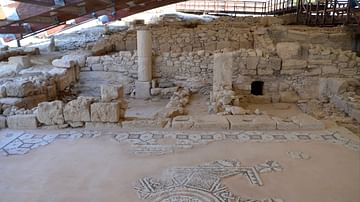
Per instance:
(223,69)
(26,102)
(135,124)
(251,122)
(51,113)
(21,61)
(100,125)
(142,89)
(106,112)
(63,63)
(9,70)
(252,62)
(97,67)
(210,122)
(27,121)
(287,50)
(92,60)
(307,122)
(289,97)
(155,91)
(329,69)
(285,124)
(78,110)
(76,124)
(20,88)
(101,48)
(294,64)
(111,92)
(2,122)
(182,122)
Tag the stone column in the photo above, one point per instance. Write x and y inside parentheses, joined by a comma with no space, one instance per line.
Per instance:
(223,70)
(144,50)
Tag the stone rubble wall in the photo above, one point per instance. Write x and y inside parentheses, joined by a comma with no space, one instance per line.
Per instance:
(232,33)
(291,71)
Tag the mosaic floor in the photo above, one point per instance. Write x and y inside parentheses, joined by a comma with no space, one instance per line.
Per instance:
(149,142)
(204,182)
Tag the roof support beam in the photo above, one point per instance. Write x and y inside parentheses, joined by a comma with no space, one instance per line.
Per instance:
(42,20)
(47,3)
(12,30)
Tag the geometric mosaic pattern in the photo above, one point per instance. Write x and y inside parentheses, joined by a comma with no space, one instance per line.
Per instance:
(17,143)
(157,142)
(150,142)
(202,183)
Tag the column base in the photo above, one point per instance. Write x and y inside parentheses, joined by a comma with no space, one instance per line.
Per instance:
(142,89)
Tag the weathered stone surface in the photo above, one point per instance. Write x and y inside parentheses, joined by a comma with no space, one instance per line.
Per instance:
(251,122)
(100,125)
(223,69)
(287,50)
(182,122)
(21,61)
(76,124)
(111,92)
(2,122)
(142,89)
(26,102)
(289,97)
(19,89)
(135,124)
(28,121)
(210,122)
(101,48)
(63,63)
(51,113)
(106,112)
(294,64)
(171,112)
(307,122)
(285,124)
(78,110)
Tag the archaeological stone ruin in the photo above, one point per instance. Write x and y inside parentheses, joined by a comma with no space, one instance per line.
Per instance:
(179,101)
(228,64)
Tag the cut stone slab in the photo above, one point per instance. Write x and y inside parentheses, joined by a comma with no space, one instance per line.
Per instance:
(182,122)
(100,125)
(287,50)
(27,121)
(251,122)
(111,92)
(26,102)
(106,112)
(78,110)
(307,122)
(51,113)
(20,89)
(210,122)
(142,89)
(21,61)
(282,124)
(134,124)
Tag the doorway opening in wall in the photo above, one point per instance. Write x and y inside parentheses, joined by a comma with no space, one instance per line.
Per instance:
(257,87)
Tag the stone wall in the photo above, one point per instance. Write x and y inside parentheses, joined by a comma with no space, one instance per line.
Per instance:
(232,33)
